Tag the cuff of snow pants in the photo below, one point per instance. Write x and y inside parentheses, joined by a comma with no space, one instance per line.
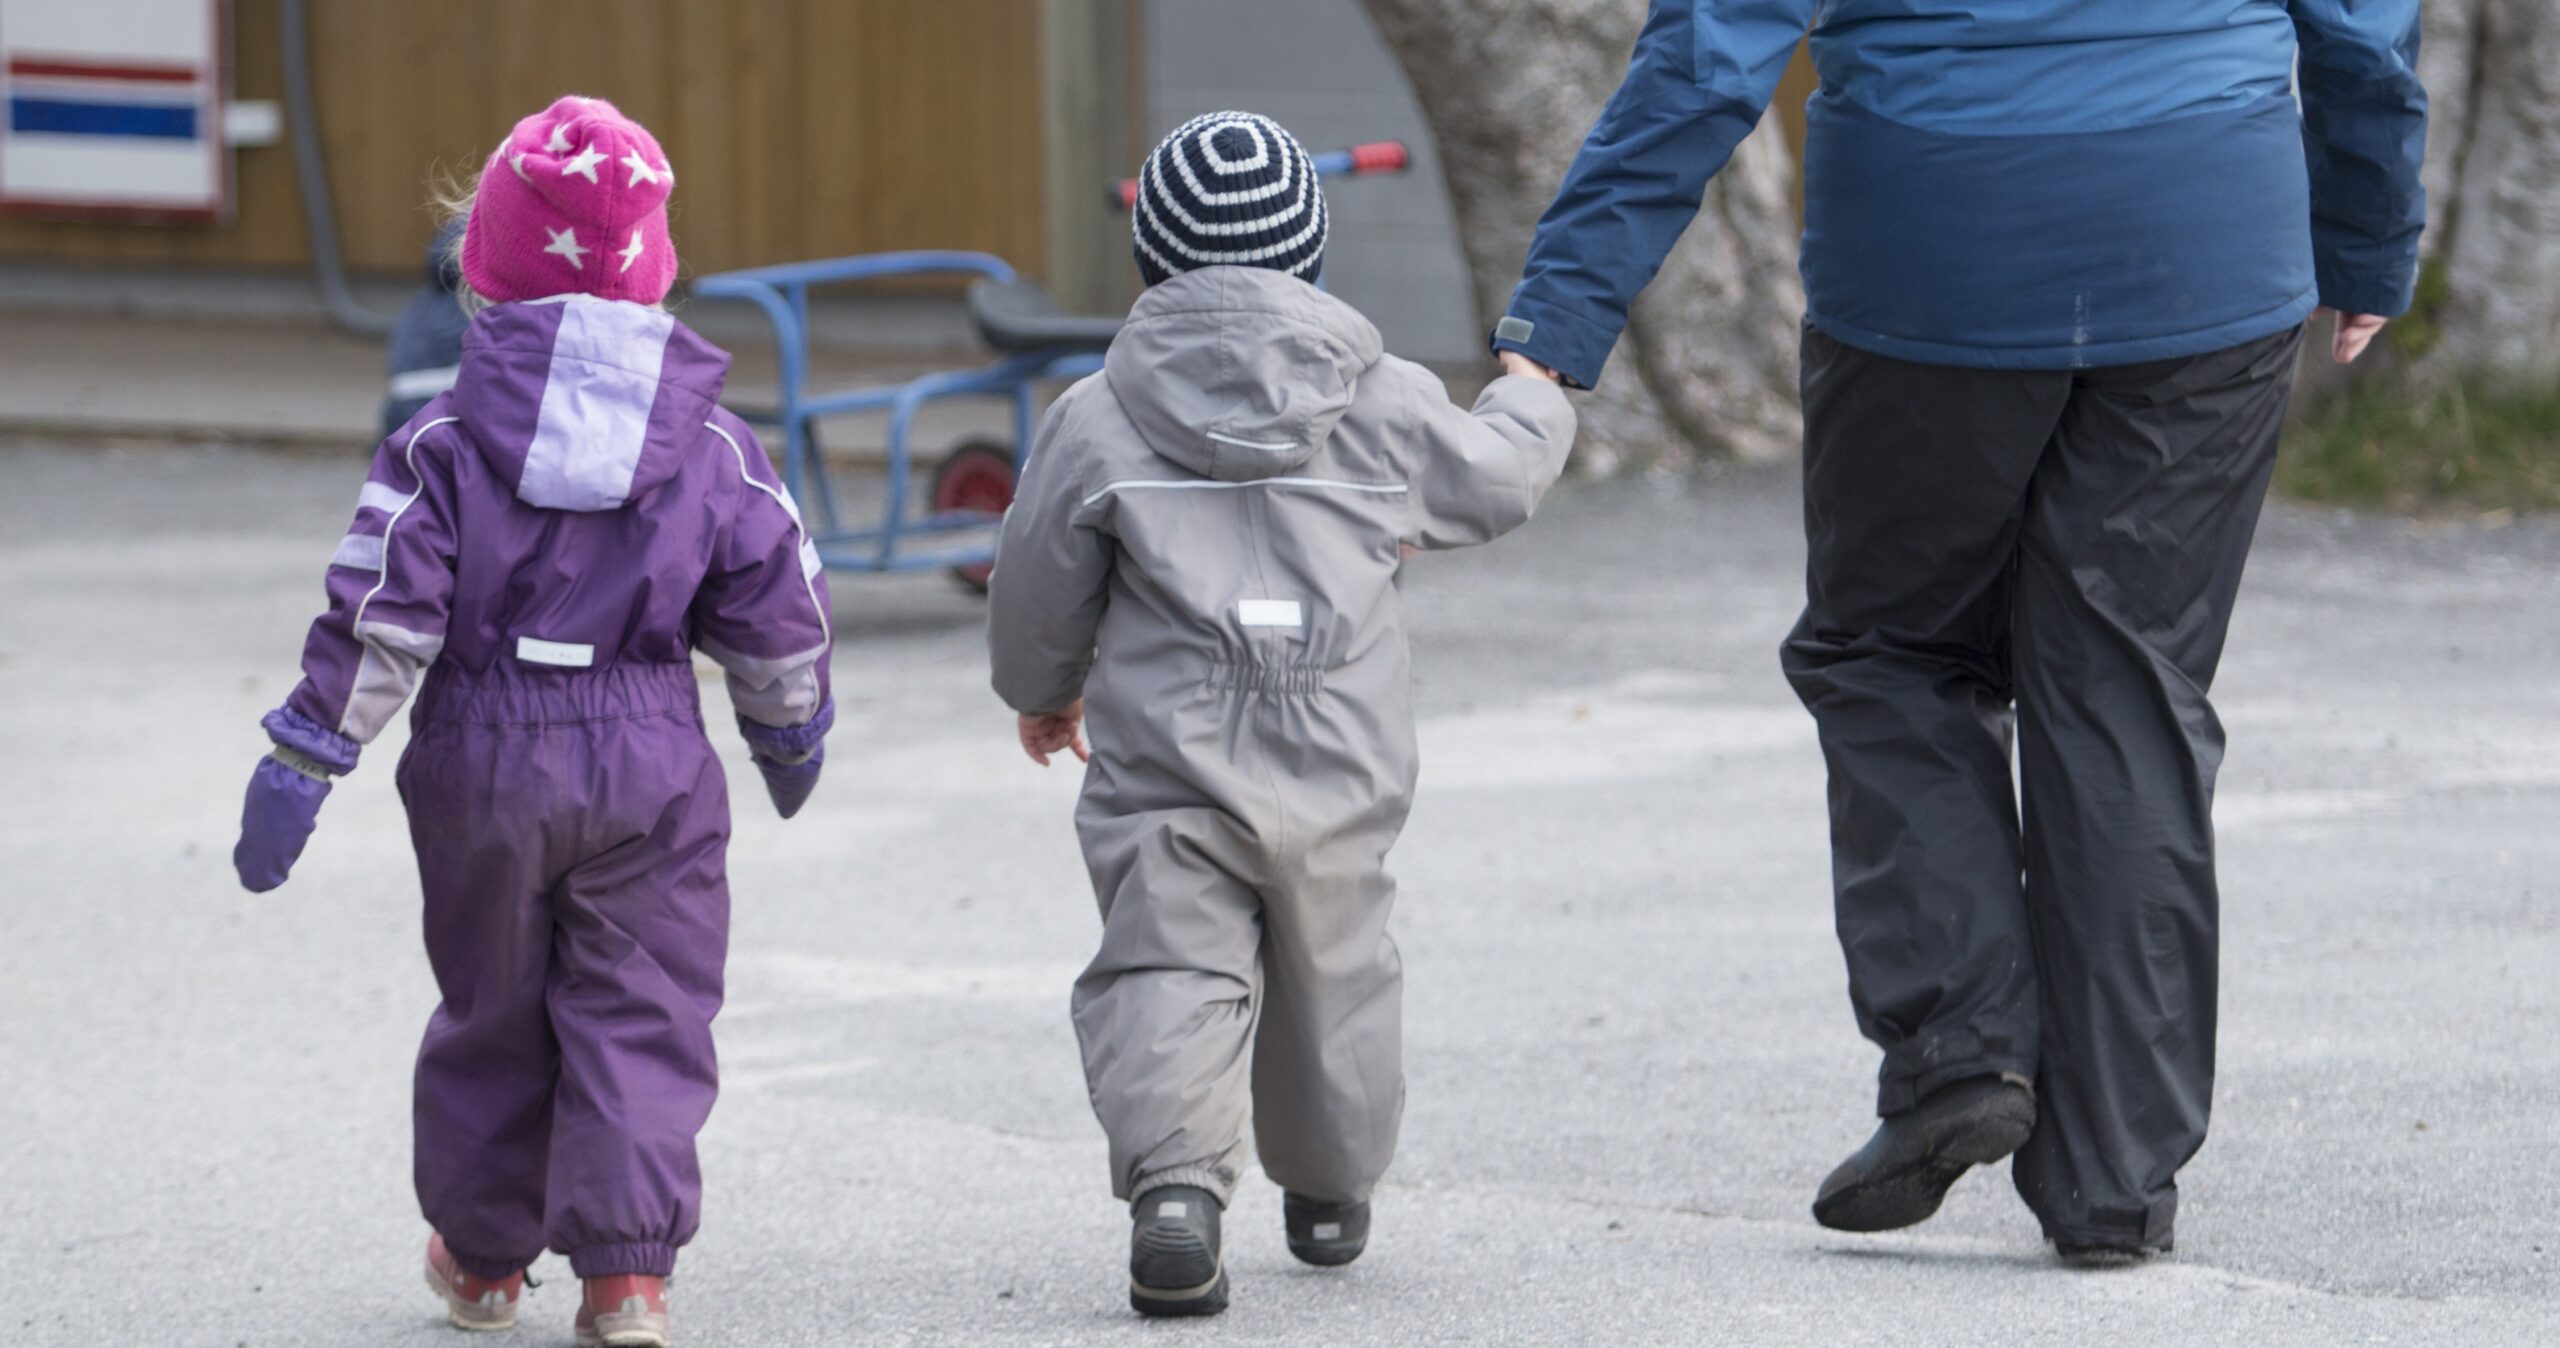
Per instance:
(483,1267)
(646,1257)
(2150,1228)
(1915,1069)
(1220,1182)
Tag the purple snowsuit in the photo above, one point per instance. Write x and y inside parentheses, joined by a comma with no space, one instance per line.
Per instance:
(546,544)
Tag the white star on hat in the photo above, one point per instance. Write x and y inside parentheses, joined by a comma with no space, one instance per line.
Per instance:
(559,143)
(632,253)
(640,170)
(516,162)
(565,243)
(585,163)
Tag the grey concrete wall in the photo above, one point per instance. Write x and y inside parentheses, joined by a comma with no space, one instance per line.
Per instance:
(1318,67)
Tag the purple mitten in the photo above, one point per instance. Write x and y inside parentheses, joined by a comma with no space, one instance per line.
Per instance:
(285,794)
(282,809)
(790,756)
(790,783)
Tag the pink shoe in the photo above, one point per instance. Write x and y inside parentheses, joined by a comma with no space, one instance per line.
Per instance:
(471,1301)
(626,1310)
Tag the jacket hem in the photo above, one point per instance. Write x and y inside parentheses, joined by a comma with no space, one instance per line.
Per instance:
(2072,356)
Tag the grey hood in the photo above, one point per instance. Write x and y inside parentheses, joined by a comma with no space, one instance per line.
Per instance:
(1238,373)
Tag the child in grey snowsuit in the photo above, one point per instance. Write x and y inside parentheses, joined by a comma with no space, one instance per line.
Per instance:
(1203,557)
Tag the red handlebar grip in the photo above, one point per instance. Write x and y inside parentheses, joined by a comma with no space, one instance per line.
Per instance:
(1378,156)
(1384,156)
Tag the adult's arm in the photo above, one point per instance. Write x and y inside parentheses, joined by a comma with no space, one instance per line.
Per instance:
(2364,131)
(1702,73)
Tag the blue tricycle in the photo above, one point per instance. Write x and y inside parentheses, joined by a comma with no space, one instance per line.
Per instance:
(973,483)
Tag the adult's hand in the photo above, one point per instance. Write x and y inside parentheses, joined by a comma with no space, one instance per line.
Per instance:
(1515,363)
(2353,334)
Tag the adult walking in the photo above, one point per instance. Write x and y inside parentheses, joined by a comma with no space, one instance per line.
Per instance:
(2058,259)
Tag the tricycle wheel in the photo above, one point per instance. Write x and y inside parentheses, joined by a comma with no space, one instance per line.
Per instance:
(977,476)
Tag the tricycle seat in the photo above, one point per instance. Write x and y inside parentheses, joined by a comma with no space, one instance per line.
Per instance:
(1020,316)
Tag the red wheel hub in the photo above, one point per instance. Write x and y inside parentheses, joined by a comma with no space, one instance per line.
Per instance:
(979,483)
(977,479)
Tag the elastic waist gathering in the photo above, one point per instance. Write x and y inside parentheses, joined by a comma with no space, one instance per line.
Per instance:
(1227,676)
(511,694)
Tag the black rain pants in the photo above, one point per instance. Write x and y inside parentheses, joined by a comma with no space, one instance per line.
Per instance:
(2044,561)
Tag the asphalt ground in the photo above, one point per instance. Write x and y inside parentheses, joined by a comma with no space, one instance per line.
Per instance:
(1630,1052)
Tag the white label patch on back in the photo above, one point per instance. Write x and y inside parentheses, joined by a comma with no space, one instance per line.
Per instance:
(1173,1208)
(566,654)
(1269,613)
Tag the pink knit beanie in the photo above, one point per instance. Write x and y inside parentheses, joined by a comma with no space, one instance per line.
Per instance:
(574,201)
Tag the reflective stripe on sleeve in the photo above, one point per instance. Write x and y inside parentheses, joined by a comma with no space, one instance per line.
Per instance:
(358,552)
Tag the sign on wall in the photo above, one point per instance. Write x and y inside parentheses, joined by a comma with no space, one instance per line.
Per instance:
(114,107)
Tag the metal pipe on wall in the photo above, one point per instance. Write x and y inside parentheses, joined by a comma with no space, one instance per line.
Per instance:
(311,174)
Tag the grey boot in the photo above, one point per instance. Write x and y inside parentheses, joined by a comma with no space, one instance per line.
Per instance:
(1176,1259)
(1325,1234)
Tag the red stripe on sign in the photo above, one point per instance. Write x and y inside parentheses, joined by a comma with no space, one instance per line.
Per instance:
(41,67)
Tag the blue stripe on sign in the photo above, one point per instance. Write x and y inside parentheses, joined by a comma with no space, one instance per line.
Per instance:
(160,121)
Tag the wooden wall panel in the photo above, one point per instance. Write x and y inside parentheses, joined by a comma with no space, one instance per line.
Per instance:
(798,128)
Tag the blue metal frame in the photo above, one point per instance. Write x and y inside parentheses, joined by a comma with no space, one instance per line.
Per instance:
(782,292)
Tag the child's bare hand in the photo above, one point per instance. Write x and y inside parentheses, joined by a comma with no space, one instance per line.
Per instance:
(1051,731)
(1515,363)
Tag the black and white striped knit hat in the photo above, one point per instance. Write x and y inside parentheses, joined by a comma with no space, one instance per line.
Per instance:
(1229,189)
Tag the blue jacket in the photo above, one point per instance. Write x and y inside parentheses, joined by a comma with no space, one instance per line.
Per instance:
(2019,184)
(426,339)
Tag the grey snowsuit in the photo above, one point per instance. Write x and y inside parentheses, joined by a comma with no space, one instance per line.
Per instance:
(1205,548)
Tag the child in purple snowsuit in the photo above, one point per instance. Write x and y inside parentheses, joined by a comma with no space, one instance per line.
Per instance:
(538,553)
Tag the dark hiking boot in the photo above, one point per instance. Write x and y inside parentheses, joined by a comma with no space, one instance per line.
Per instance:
(1175,1263)
(1903,1173)
(2096,1257)
(1326,1235)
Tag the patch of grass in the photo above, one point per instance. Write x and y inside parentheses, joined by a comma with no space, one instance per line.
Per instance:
(2464,446)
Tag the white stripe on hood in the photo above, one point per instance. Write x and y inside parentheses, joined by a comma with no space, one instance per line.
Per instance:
(595,405)
(1238,373)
